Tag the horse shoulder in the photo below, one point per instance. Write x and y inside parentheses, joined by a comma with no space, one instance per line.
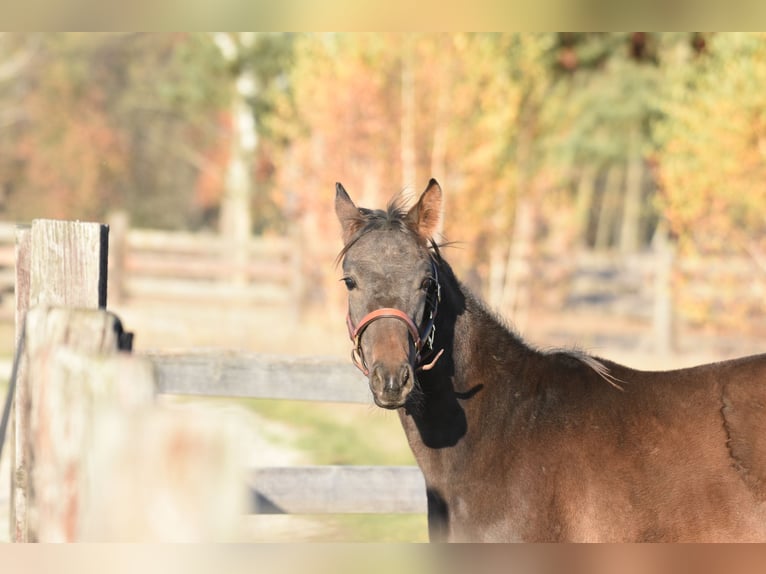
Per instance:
(743,397)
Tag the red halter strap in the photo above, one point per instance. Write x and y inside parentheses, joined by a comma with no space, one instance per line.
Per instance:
(383,313)
(355,333)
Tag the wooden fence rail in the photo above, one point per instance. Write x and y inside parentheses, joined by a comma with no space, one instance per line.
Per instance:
(339,489)
(296,490)
(158,264)
(259,376)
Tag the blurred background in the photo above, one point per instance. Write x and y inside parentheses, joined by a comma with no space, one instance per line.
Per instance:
(602,190)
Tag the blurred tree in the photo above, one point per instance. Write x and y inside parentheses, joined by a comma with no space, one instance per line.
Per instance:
(526,132)
(603,137)
(379,110)
(97,122)
(712,144)
(252,60)
(111,121)
(350,117)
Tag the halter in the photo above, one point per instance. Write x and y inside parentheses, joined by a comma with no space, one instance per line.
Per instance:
(421,338)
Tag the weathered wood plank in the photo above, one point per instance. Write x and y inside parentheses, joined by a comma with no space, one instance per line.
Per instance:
(218,373)
(77,399)
(48,328)
(20,418)
(23,253)
(139,287)
(202,243)
(58,263)
(163,474)
(68,263)
(338,490)
(104,461)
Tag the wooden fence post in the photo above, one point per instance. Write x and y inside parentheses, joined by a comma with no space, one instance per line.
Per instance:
(107,463)
(166,473)
(71,377)
(58,263)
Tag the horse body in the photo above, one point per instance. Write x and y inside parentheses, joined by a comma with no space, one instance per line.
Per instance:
(518,444)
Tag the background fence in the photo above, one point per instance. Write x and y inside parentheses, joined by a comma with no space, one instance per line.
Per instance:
(157,264)
(655,287)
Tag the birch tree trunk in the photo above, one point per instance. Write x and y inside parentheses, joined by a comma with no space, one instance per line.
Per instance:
(236,217)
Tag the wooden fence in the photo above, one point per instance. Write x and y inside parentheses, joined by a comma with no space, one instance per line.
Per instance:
(202,266)
(146,264)
(87,429)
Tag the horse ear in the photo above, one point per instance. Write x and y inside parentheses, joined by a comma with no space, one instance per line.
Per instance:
(348,213)
(426,213)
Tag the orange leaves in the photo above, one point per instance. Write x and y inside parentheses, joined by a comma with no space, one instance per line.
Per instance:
(70,151)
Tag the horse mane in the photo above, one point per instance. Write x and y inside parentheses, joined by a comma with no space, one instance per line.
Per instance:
(593,363)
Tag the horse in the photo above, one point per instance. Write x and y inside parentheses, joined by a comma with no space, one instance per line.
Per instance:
(517,443)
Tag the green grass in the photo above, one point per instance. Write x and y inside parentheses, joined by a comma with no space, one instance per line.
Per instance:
(329,433)
(379,527)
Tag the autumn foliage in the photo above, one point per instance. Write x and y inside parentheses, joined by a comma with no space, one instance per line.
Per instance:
(599,141)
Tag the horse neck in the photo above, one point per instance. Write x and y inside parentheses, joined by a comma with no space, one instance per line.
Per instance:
(480,348)
(480,353)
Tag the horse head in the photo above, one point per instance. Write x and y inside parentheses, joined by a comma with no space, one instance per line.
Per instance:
(391,274)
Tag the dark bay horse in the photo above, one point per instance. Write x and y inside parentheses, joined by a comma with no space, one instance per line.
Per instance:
(518,444)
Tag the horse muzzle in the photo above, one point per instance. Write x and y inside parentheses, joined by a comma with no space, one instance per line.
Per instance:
(391,384)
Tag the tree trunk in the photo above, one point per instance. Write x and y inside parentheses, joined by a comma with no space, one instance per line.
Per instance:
(609,208)
(236,217)
(663,319)
(516,294)
(586,188)
(630,232)
(441,122)
(408,153)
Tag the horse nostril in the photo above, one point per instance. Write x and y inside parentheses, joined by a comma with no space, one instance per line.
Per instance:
(382,379)
(405,375)
(377,376)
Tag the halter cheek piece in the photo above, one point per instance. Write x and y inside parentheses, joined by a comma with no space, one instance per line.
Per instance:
(421,338)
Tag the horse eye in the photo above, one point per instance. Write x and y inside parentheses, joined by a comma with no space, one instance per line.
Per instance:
(428,282)
(350,283)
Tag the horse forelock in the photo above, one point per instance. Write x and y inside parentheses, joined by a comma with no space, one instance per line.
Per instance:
(394,218)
